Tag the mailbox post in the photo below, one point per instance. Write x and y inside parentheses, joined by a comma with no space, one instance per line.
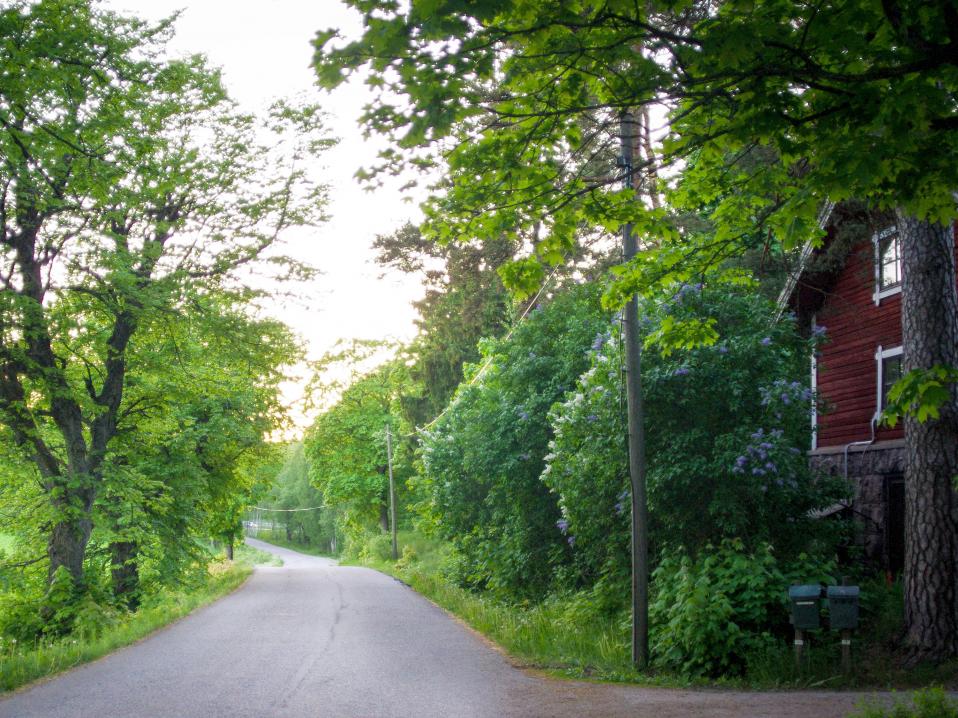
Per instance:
(843,616)
(805,602)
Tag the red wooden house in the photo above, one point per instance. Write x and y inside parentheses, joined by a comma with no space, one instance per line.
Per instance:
(850,290)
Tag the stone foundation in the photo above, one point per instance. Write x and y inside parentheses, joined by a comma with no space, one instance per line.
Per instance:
(872,472)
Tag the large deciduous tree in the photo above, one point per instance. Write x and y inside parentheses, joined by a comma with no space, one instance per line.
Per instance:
(775,109)
(125,179)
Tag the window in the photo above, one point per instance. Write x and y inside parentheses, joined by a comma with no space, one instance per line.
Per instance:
(887,263)
(889,371)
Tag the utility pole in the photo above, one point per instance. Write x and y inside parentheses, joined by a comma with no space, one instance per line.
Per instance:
(392,493)
(633,379)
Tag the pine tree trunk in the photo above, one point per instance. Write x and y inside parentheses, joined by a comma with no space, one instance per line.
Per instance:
(929,337)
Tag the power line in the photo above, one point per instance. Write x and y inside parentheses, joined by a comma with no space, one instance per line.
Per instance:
(311,508)
(482,370)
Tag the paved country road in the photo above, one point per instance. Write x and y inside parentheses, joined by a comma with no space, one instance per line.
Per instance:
(324,641)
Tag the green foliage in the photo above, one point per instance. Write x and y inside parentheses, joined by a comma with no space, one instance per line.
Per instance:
(26,659)
(465,301)
(708,613)
(139,388)
(775,108)
(928,703)
(482,459)
(920,393)
(726,430)
(291,488)
(346,448)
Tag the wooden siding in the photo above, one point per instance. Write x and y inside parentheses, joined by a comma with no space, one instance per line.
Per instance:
(847,370)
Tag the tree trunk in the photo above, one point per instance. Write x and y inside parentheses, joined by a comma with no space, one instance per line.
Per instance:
(125,572)
(929,337)
(70,534)
(384,517)
(229,548)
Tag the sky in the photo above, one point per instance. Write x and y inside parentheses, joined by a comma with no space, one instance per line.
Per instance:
(264,49)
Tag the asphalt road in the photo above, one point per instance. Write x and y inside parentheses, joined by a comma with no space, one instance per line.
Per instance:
(324,641)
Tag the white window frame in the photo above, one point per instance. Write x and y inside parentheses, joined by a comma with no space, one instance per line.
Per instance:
(880,355)
(877,239)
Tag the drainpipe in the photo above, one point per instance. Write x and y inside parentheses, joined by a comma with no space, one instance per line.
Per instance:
(869,442)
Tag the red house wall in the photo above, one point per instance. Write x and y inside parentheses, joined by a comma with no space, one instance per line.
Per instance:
(847,372)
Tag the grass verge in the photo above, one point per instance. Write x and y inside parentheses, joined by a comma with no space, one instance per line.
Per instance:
(565,637)
(20,665)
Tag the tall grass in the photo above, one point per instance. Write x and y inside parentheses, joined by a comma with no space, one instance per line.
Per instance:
(21,664)
(570,635)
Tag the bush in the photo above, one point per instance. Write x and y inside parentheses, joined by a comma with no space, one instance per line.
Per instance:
(726,434)
(708,613)
(482,459)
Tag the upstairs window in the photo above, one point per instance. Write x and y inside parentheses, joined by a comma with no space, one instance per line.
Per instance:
(887,263)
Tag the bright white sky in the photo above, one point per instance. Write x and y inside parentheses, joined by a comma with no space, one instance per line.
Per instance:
(264,49)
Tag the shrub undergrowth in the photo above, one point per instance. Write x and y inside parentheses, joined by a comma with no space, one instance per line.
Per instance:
(98,630)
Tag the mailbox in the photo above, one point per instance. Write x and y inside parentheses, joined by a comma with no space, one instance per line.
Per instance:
(843,607)
(805,601)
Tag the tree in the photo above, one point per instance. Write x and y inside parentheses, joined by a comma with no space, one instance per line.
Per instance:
(482,459)
(465,301)
(775,109)
(125,180)
(346,444)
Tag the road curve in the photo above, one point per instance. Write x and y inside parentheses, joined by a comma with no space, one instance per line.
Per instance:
(313,639)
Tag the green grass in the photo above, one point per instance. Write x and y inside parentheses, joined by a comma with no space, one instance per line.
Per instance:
(565,637)
(20,665)
(278,538)
(541,636)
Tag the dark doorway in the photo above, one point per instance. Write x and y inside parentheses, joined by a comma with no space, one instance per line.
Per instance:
(895,523)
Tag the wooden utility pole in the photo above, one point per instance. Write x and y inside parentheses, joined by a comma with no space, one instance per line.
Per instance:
(392,494)
(633,383)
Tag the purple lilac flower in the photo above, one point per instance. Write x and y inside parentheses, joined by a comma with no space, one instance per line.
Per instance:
(722,349)
(741,461)
(770,466)
(599,342)
(758,472)
(524,456)
(571,541)
(562,525)
(766,341)
(619,508)
(818,331)
(591,418)
(785,399)
(524,415)
(681,371)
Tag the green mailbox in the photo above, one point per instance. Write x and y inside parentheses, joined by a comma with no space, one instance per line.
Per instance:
(805,601)
(843,607)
